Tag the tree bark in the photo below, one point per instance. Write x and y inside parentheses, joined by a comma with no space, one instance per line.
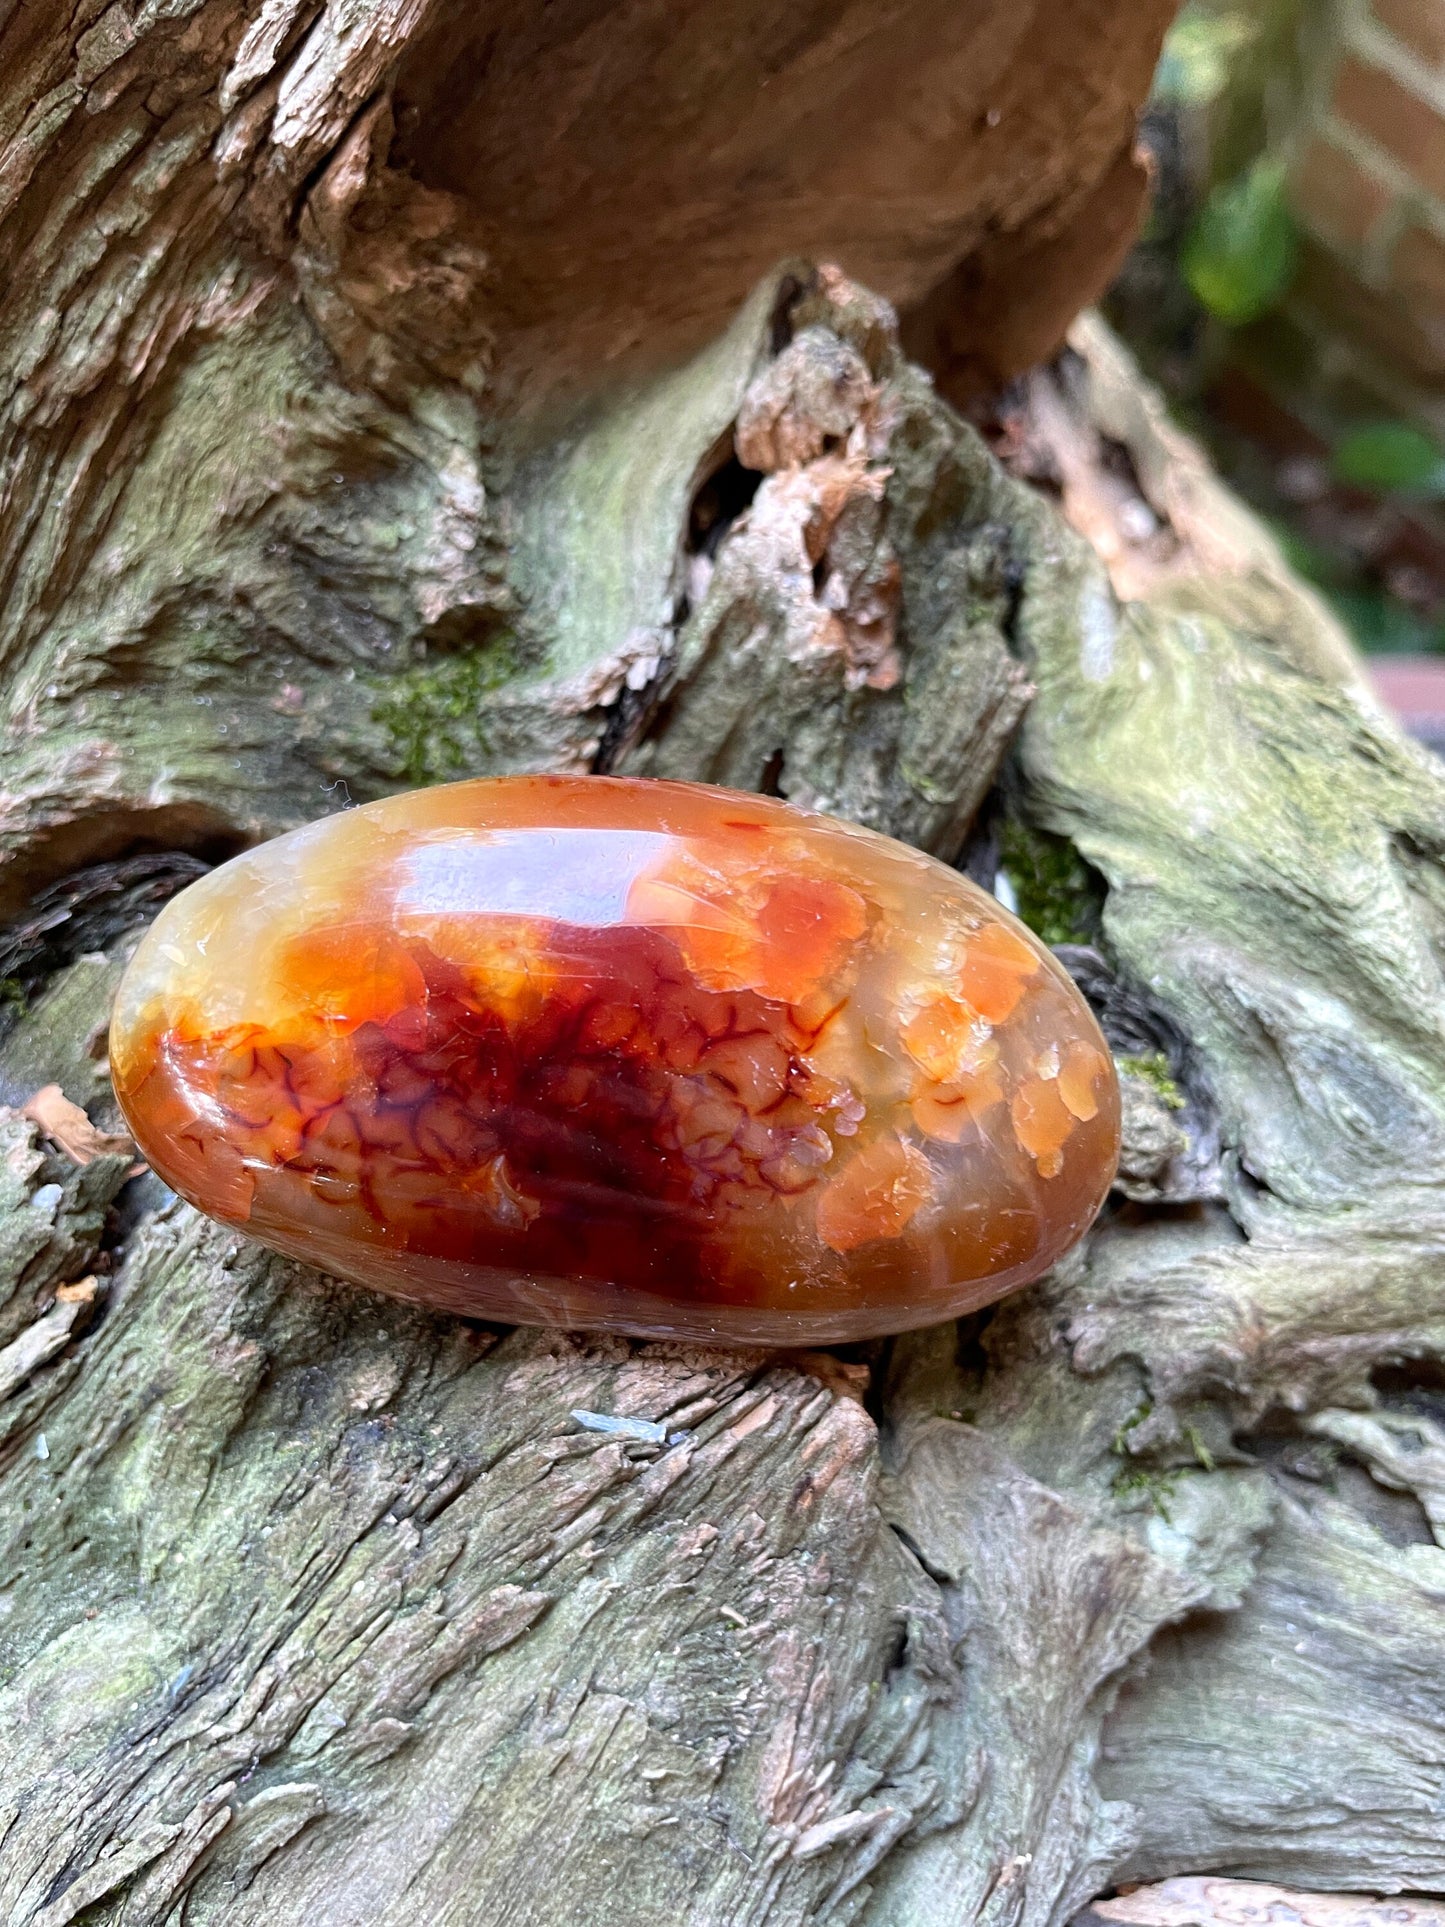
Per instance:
(368,425)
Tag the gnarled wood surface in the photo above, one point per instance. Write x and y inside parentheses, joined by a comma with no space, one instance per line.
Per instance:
(317,1610)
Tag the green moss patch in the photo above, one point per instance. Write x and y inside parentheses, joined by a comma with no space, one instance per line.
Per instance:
(1152,1068)
(1060,897)
(434,713)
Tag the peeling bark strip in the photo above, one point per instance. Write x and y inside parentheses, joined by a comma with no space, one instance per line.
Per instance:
(349,443)
(1234,1903)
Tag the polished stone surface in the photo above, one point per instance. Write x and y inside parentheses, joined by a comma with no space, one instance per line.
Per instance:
(640,1056)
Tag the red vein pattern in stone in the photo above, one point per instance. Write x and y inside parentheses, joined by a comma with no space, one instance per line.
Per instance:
(639,1056)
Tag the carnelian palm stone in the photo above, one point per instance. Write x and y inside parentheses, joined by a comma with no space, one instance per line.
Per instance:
(642,1056)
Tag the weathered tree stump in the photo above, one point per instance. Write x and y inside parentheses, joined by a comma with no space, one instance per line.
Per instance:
(384,406)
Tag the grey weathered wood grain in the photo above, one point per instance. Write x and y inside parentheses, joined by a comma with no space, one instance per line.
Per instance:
(316,1609)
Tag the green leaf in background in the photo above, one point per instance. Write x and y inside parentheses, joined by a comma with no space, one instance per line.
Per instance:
(1199,53)
(1390,458)
(1241,253)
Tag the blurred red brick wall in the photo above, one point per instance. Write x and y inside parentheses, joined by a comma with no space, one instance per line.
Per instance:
(1368,187)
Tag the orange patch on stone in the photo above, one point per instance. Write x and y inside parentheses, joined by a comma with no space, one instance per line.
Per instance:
(1079,1080)
(783,935)
(878,1191)
(1042,1123)
(349,975)
(945,1111)
(996,966)
(806,926)
(942,1038)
